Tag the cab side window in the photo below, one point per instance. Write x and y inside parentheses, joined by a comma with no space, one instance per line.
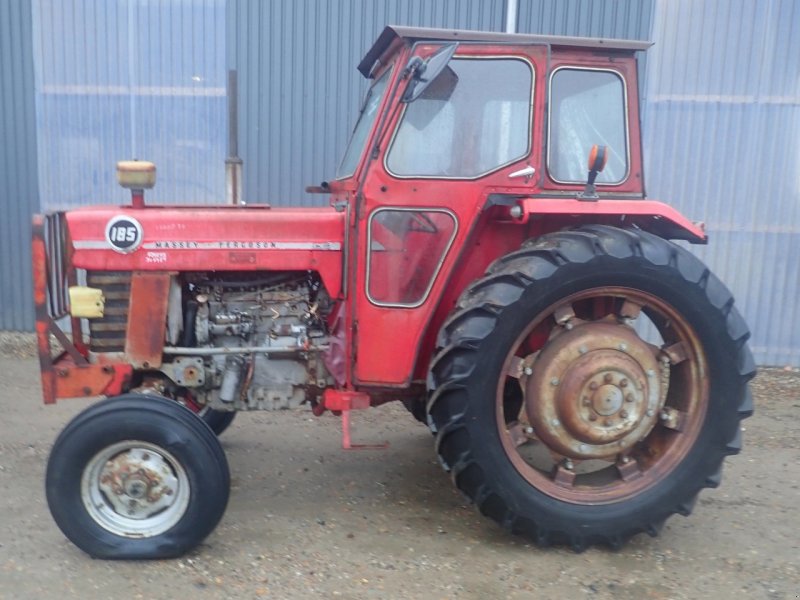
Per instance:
(587,107)
(473,119)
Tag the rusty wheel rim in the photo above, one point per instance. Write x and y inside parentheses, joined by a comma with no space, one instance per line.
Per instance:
(135,489)
(591,412)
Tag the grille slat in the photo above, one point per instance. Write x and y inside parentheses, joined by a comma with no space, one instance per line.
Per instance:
(108,333)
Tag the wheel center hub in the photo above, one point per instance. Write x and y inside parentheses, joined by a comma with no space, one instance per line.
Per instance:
(595,391)
(138,483)
(607,400)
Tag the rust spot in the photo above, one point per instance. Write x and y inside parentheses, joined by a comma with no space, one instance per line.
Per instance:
(147,318)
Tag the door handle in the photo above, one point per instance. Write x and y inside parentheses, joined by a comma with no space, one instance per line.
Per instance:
(526,172)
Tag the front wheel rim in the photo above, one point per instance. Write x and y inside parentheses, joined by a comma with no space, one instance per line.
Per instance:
(589,434)
(135,489)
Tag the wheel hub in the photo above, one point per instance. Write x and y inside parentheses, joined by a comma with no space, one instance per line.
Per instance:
(138,483)
(594,391)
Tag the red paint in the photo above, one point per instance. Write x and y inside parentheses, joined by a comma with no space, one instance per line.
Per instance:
(174,239)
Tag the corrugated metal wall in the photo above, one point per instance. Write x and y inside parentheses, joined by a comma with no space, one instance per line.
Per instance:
(722,125)
(19,196)
(123,79)
(622,19)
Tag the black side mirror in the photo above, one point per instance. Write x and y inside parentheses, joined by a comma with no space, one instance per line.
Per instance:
(598,157)
(425,72)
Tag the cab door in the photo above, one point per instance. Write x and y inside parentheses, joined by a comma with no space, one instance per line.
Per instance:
(470,133)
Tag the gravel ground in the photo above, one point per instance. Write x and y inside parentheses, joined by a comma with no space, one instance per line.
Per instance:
(307,519)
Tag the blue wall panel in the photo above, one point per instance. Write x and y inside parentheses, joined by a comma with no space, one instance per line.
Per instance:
(722,124)
(19,197)
(122,79)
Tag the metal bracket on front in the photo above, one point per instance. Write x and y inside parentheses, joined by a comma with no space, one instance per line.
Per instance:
(345,401)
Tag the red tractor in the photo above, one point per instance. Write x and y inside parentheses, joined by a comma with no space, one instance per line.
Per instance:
(583,375)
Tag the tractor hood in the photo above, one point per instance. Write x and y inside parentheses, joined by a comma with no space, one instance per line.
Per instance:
(214,238)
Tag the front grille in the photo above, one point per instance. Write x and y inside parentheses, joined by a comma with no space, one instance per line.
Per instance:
(108,334)
(55,240)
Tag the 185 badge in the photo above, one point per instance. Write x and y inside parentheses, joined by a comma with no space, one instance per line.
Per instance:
(124,234)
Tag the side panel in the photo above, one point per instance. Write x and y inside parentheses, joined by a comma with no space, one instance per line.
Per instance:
(147,319)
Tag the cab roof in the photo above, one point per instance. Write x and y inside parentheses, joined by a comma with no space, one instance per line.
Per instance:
(413,34)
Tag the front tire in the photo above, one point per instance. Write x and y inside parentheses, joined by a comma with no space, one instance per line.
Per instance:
(137,477)
(560,416)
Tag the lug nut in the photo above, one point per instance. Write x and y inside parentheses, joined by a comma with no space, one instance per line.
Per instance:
(629,398)
(528,371)
(528,430)
(607,378)
(607,423)
(586,401)
(554,381)
(623,382)
(593,417)
(583,350)
(650,412)
(593,385)
(624,414)
(623,347)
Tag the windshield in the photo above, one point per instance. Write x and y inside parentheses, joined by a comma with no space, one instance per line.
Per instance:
(369,110)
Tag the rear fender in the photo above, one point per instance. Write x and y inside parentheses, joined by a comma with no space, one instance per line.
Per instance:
(649,215)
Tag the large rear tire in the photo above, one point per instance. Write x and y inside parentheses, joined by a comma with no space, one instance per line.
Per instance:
(137,477)
(590,385)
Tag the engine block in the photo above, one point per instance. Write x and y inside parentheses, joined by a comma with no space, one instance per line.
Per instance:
(259,341)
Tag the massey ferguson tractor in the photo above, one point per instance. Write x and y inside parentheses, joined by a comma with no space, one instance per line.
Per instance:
(584,376)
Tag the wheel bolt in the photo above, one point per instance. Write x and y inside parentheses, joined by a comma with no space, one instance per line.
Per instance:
(623,382)
(623,347)
(593,417)
(568,464)
(607,378)
(528,430)
(556,422)
(586,401)
(624,414)
(554,381)
(650,412)
(593,385)
(528,371)
(583,350)
(629,398)
(607,422)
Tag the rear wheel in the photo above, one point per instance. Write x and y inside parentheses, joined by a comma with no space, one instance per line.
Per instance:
(590,385)
(137,477)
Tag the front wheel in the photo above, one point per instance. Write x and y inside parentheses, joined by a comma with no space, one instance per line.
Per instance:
(590,385)
(137,477)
